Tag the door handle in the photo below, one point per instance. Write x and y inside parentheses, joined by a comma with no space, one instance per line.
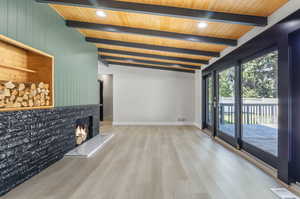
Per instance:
(215,104)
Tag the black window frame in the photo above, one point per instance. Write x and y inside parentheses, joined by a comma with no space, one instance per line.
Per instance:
(205,100)
(237,141)
(219,133)
(259,153)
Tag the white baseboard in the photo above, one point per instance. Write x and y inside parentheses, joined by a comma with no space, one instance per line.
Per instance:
(153,123)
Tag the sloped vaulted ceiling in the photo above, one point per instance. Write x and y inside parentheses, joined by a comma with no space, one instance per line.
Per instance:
(171,34)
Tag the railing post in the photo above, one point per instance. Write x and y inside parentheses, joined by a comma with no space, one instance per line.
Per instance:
(259,114)
(272,113)
(247,113)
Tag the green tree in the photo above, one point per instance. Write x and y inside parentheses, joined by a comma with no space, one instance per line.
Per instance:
(259,78)
(226,82)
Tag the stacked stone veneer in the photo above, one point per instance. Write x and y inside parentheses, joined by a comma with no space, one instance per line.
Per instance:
(30,141)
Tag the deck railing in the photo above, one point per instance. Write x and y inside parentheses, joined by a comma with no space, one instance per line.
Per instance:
(251,113)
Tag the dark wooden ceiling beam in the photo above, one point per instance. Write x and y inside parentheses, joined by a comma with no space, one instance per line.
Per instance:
(155,33)
(122,52)
(152,47)
(150,62)
(151,67)
(165,11)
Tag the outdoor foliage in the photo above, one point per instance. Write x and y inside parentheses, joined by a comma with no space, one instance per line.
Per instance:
(259,78)
(226,83)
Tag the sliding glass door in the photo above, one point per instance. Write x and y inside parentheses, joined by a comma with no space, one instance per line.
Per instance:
(260,103)
(226,103)
(209,102)
(246,105)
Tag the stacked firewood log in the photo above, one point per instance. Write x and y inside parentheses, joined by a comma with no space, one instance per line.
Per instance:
(16,95)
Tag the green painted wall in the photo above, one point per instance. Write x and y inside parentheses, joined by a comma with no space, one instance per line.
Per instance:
(41,27)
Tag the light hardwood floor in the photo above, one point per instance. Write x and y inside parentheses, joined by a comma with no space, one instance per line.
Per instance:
(152,163)
(106,127)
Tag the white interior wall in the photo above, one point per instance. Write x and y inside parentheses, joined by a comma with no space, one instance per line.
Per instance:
(198,99)
(151,97)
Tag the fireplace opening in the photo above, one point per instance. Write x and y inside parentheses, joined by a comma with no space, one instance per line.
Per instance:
(83,130)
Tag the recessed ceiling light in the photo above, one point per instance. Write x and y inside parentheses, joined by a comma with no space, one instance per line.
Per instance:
(100,13)
(202,25)
(130,60)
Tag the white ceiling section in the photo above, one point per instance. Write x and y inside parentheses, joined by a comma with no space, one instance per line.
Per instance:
(290,7)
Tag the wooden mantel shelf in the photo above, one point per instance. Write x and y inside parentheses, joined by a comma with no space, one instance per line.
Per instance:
(25,108)
(18,68)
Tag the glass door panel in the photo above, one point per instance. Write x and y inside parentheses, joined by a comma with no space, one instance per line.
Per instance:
(209,101)
(226,102)
(260,102)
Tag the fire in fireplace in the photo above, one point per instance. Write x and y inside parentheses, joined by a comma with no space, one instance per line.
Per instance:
(83,130)
(81,134)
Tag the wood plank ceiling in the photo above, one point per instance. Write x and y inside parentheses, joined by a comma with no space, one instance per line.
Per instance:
(163,34)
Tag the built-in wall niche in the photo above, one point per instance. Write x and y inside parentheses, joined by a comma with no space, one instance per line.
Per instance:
(26,77)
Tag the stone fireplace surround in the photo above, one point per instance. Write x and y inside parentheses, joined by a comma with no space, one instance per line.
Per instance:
(32,140)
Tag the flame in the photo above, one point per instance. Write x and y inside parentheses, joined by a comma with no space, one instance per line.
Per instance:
(81,134)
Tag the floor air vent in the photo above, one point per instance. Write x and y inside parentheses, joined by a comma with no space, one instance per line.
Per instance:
(283,193)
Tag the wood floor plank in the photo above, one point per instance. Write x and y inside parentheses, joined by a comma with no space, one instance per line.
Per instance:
(152,162)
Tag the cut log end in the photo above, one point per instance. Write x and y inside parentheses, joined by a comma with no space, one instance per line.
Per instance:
(15,95)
